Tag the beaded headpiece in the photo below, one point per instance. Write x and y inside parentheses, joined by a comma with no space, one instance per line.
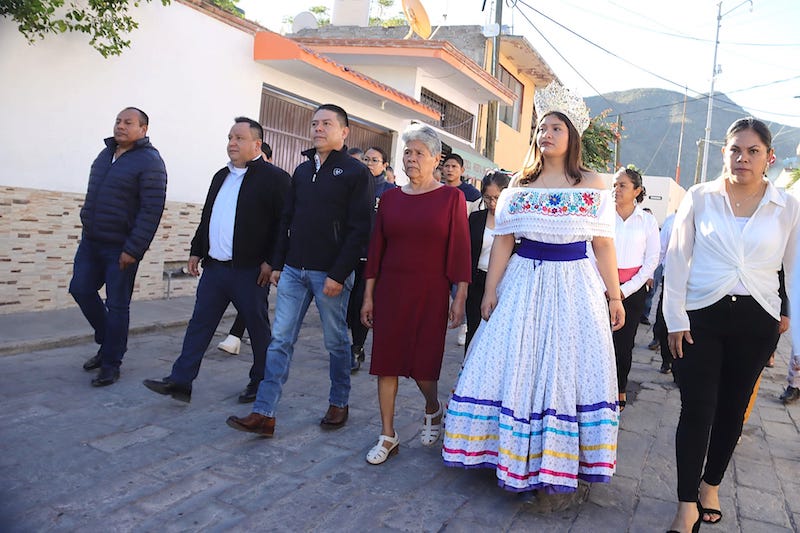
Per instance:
(555,97)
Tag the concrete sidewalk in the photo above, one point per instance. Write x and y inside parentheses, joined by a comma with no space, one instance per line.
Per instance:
(122,458)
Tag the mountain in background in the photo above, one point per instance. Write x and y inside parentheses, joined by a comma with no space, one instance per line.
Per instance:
(651,121)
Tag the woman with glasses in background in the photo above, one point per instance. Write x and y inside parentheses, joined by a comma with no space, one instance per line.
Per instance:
(481,236)
(377,161)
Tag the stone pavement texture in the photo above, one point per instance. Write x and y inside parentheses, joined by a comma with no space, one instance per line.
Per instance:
(121,458)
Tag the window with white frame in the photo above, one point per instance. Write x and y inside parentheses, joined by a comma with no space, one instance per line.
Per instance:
(510,114)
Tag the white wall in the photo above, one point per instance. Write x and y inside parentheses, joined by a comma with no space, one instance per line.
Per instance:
(191,73)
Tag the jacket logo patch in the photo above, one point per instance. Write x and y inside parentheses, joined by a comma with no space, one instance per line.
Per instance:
(337,171)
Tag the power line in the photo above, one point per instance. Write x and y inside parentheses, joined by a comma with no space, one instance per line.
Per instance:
(612,54)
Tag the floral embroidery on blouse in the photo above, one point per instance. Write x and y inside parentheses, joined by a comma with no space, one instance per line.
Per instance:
(554,203)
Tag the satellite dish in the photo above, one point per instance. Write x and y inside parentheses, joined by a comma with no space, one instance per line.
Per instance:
(305,20)
(417,18)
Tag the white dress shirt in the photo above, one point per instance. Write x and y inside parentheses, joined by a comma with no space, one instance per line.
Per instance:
(709,255)
(666,231)
(637,245)
(223,215)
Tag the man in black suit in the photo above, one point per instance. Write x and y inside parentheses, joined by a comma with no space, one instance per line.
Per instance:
(235,241)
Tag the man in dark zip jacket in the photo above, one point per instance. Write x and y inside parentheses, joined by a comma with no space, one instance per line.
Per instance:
(120,215)
(235,241)
(324,231)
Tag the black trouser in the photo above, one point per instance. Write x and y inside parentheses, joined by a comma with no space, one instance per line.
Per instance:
(625,336)
(660,331)
(473,305)
(733,339)
(238,327)
(357,329)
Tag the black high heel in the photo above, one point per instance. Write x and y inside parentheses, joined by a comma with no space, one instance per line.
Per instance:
(696,525)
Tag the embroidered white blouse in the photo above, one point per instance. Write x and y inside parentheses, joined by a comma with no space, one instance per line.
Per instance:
(557,216)
(708,255)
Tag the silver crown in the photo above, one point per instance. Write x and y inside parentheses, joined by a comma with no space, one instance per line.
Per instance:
(555,97)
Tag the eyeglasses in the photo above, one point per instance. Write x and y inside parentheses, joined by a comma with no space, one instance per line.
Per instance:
(372,160)
(488,199)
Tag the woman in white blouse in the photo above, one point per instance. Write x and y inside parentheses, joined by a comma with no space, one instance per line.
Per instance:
(637,245)
(722,308)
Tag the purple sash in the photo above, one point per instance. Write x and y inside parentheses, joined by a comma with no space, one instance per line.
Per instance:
(545,251)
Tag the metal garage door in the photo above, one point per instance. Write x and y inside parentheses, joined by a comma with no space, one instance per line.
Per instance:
(286,120)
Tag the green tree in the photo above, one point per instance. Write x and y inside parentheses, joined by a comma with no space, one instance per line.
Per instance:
(379,19)
(229,6)
(597,141)
(321,12)
(107,22)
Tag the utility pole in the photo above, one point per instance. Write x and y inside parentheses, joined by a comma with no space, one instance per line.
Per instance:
(617,143)
(714,72)
(491,108)
(699,167)
(680,138)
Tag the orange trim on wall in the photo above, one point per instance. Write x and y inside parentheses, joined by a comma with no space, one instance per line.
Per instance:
(269,46)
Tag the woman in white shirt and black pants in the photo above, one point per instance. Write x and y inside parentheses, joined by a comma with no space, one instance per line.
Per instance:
(722,308)
(637,245)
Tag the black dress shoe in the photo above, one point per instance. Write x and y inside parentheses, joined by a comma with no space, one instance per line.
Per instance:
(249,393)
(92,363)
(182,393)
(106,377)
(644,320)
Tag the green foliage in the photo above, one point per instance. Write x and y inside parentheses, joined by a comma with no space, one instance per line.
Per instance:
(597,143)
(321,12)
(105,21)
(380,19)
(229,6)
(794,178)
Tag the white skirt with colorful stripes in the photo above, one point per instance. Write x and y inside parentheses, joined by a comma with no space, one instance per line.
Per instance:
(537,397)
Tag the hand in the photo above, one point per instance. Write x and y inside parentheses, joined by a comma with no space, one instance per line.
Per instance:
(332,288)
(488,304)
(192,265)
(456,314)
(126,260)
(366,312)
(274,278)
(649,284)
(264,275)
(675,342)
(617,313)
(783,327)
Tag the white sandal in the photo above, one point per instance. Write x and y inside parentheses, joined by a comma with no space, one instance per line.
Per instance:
(379,453)
(430,431)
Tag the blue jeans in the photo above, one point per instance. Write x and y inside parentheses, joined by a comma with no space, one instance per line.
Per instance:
(296,288)
(219,285)
(97,264)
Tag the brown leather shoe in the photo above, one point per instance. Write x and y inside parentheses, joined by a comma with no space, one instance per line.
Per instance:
(253,423)
(334,418)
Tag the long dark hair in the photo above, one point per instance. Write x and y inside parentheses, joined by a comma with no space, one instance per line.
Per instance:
(534,162)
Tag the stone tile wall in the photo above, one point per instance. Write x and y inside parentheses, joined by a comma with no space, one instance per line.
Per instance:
(39,233)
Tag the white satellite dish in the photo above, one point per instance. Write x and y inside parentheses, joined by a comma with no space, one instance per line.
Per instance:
(305,20)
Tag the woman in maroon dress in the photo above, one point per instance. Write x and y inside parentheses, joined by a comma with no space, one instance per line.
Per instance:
(419,247)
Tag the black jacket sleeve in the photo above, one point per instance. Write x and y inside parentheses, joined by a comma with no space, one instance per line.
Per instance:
(359,225)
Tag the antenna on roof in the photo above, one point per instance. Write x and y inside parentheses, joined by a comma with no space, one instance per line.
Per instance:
(417,18)
(305,20)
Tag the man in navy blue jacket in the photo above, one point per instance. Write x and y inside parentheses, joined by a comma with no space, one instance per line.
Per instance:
(324,231)
(235,240)
(120,216)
